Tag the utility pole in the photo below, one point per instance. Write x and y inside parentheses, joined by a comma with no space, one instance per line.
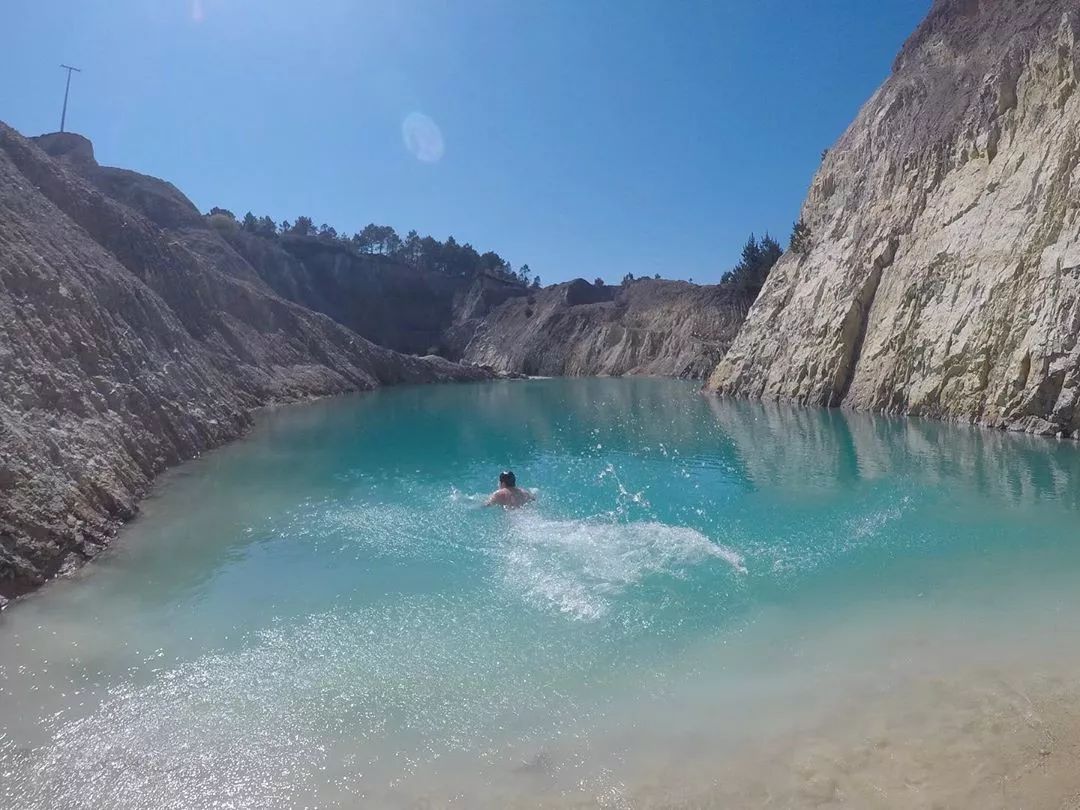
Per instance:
(67,87)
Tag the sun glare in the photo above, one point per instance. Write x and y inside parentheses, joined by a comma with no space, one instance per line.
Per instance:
(422,137)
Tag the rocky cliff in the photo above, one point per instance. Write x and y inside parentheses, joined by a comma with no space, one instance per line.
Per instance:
(943,273)
(669,328)
(665,328)
(132,337)
(656,327)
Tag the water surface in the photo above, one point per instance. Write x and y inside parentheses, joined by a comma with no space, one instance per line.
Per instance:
(712,602)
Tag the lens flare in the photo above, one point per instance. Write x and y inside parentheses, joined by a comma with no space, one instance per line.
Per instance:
(422,137)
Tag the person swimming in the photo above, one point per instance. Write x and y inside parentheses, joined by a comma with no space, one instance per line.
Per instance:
(509,495)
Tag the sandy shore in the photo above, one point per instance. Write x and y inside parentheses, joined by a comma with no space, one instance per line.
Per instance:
(983,742)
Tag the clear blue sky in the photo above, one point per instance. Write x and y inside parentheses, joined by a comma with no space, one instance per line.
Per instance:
(585,137)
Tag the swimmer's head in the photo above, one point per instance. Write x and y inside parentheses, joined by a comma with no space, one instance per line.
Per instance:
(507,479)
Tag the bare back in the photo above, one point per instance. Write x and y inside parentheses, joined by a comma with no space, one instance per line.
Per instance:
(510,497)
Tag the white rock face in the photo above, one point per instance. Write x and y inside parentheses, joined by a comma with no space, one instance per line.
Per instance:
(654,327)
(943,277)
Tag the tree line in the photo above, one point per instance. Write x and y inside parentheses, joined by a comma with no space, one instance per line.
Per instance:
(427,253)
(413,250)
(759,256)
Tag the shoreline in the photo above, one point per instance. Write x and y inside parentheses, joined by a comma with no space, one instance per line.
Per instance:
(100,538)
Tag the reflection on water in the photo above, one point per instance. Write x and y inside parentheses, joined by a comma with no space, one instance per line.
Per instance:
(836,448)
(712,602)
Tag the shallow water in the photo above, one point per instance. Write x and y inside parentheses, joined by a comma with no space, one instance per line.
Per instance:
(712,603)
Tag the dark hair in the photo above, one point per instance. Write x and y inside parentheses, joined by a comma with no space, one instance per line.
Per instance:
(506,477)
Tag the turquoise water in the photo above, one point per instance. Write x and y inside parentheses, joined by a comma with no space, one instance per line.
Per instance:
(325,615)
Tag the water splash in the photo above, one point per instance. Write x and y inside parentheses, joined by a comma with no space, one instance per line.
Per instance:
(581,567)
(625,499)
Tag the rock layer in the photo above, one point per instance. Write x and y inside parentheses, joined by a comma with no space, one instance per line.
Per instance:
(663,328)
(943,276)
(132,337)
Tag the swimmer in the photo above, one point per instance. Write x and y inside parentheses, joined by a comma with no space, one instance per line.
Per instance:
(509,494)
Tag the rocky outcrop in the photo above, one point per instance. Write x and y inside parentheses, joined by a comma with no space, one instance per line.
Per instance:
(668,328)
(132,337)
(665,328)
(389,303)
(943,274)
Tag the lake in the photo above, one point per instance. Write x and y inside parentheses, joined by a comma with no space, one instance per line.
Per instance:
(712,603)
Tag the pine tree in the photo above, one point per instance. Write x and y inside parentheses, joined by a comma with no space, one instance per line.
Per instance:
(758,258)
(369,238)
(266,227)
(770,251)
(392,242)
(304,226)
(751,255)
(800,242)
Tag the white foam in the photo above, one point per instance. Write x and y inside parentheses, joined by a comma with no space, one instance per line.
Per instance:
(580,566)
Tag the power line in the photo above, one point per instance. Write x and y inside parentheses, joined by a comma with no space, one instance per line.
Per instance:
(67,87)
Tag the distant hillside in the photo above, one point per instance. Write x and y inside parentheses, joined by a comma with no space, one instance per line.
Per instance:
(486,316)
(647,326)
(133,336)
